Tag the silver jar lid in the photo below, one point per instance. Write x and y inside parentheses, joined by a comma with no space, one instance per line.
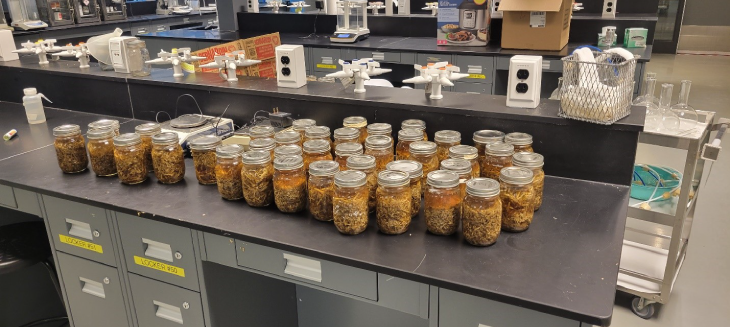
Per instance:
(467,152)
(459,166)
(317,132)
(205,142)
(165,138)
(393,178)
(422,147)
(350,178)
(347,133)
(288,162)
(286,137)
(500,149)
(302,124)
(447,136)
(487,136)
(265,144)
(348,149)
(316,145)
(127,139)
(413,168)
(229,151)
(262,131)
(410,134)
(287,150)
(323,168)
(66,130)
(256,157)
(414,123)
(380,129)
(355,121)
(361,161)
(104,124)
(516,175)
(98,134)
(378,142)
(528,160)
(148,129)
(442,179)
(482,187)
(518,138)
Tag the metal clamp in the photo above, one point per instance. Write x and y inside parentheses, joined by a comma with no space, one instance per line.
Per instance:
(711,151)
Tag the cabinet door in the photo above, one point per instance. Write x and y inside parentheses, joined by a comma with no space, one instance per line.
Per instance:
(479,68)
(427,58)
(472,88)
(326,60)
(157,304)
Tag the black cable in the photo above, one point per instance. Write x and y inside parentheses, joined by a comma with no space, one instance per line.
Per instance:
(43,321)
(314,32)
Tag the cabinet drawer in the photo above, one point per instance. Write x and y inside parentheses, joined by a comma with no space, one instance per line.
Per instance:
(381,56)
(157,250)
(480,69)
(305,270)
(425,58)
(27,201)
(477,88)
(7,197)
(159,27)
(80,230)
(325,60)
(140,29)
(94,293)
(349,54)
(403,295)
(157,304)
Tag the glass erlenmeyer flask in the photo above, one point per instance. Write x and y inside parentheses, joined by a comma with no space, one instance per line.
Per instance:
(649,89)
(683,110)
(670,121)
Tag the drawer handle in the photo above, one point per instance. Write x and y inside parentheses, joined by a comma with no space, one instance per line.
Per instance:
(303,268)
(545,65)
(472,69)
(168,312)
(79,229)
(91,287)
(471,92)
(378,56)
(157,250)
(142,31)
(327,60)
(160,28)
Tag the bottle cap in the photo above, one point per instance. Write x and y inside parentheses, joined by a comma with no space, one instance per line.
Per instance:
(392,178)
(482,187)
(442,179)
(413,168)
(516,175)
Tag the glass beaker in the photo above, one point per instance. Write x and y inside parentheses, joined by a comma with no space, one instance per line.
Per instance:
(138,56)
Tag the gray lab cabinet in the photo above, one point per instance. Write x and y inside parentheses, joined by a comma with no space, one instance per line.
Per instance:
(20,200)
(481,69)
(158,304)
(326,60)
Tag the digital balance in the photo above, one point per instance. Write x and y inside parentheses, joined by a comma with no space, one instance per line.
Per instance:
(192,126)
(24,15)
(352,22)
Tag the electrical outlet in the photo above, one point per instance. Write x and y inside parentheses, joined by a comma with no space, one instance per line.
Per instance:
(291,71)
(253,6)
(524,82)
(495,9)
(609,8)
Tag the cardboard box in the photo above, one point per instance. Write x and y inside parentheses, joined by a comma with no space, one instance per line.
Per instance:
(635,37)
(259,47)
(535,24)
(267,68)
(211,52)
(463,23)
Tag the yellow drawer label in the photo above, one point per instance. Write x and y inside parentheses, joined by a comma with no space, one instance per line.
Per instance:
(477,76)
(159,266)
(80,243)
(326,66)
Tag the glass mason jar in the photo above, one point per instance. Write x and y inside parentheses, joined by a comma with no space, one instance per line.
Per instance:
(414,169)
(393,210)
(316,150)
(344,151)
(105,124)
(257,178)
(261,131)
(425,153)
(350,202)
(70,148)
(497,156)
(145,132)
(521,141)
(366,164)
(445,140)
(469,153)
(518,198)
(129,158)
(301,125)
(380,147)
(138,57)
(263,144)
(290,184)
(359,123)
(417,124)
(484,137)
(460,167)
(534,162)
(288,150)
(101,152)
(405,138)
(346,135)
(203,151)
(288,138)
(481,212)
(319,133)
(443,202)
(321,188)
(168,158)
(228,169)
(380,129)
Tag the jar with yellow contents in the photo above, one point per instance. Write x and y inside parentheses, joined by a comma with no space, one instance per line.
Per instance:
(321,188)
(393,210)
(445,140)
(358,122)
(145,132)
(534,162)
(129,158)
(101,152)
(414,169)
(203,151)
(168,158)
(319,133)
(442,202)
(405,138)
(264,144)
(380,129)
(316,150)
(416,124)
(350,202)
(112,124)
(521,141)
(460,167)
(346,135)
(261,131)
(290,184)
(481,220)
(301,125)
(518,198)
(468,153)
(380,147)
(228,171)
(424,152)
(497,156)
(257,178)
(70,148)
(288,138)
(366,164)
(484,137)
(346,150)
(288,150)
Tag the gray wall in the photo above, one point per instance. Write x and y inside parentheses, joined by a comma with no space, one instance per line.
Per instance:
(707,13)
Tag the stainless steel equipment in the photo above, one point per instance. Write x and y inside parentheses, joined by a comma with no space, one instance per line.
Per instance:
(113,9)
(86,11)
(24,14)
(472,16)
(55,12)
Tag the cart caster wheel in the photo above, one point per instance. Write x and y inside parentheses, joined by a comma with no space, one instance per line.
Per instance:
(646,312)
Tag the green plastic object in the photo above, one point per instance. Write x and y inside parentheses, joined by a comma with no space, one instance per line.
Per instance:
(645,179)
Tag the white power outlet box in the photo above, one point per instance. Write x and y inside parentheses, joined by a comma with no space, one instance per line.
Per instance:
(7,45)
(290,69)
(253,6)
(525,79)
(495,9)
(609,8)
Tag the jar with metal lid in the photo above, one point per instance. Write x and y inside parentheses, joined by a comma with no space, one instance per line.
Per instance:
(321,188)
(287,138)
(138,58)
(393,210)
(316,150)
(129,158)
(445,140)
(319,133)
(70,149)
(497,156)
(469,153)
(145,132)
(366,164)
(101,152)
(380,129)
(443,202)
(350,202)
(417,124)
(263,144)
(288,150)
(257,178)
(301,125)
(203,151)
(486,136)
(357,122)
(344,151)
(228,171)
(518,198)
(481,212)
(346,135)
(460,167)
(405,138)
(168,158)
(261,131)
(534,162)
(290,184)
(414,169)
(521,141)
(425,153)
(105,124)
(380,147)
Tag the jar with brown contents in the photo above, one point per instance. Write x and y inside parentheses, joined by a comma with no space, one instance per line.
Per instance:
(257,178)
(380,147)
(290,184)
(288,150)
(366,164)
(482,212)
(414,169)
(518,198)
(425,153)
(498,156)
(534,162)
(228,169)
(443,202)
(261,132)
(405,138)
(462,168)
(263,144)
(484,137)
(101,152)
(168,158)
(70,149)
(393,202)
(319,133)
(316,150)
(344,151)
(112,124)
(203,151)
(145,132)
(321,188)
(288,138)
(300,125)
(469,153)
(444,141)
(350,202)
(380,129)
(521,141)
(358,122)
(416,124)
(129,158)
(346,135)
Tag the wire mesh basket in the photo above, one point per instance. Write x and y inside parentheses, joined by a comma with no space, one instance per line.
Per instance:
(598,92)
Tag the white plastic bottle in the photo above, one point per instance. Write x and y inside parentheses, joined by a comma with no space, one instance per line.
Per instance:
(34,106)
